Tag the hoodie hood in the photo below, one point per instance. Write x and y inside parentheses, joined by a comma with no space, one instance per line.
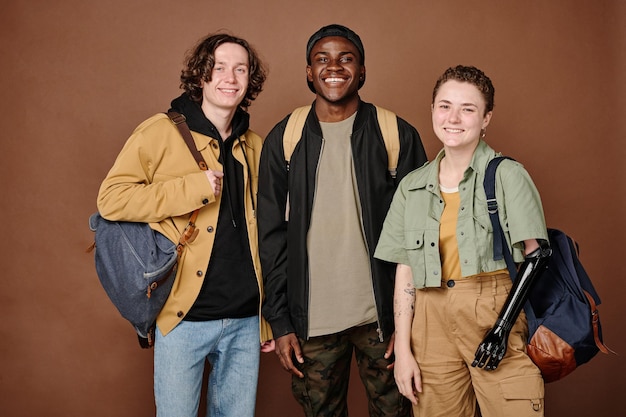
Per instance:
(198,122)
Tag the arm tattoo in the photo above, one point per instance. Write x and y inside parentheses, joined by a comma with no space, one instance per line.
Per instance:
(410,291)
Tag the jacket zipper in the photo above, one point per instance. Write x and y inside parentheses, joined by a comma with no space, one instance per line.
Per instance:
(367,249)
(317,169)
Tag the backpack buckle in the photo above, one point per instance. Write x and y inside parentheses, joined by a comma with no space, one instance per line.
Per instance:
(492,206)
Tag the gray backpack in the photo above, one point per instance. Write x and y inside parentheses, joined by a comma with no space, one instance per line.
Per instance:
(137,265)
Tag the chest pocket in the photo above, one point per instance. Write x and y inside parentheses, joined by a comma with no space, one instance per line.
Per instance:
(415,250)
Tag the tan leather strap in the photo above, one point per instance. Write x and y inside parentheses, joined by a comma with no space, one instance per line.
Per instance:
(190,232)
(181,123)
(595,319)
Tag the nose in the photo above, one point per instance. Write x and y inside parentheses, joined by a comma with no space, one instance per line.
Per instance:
(230,76)
(455,116)
(334,64)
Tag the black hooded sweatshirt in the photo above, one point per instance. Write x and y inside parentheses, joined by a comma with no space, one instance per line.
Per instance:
(230,288)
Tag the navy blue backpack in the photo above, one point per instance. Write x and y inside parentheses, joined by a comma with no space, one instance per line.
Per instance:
(564,328)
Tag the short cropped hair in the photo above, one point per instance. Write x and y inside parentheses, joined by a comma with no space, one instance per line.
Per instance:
(470,75)
(200,61)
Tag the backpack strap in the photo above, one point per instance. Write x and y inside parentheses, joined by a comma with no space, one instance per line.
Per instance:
(500,247)
(293,130)
(388,123)
(387,120)
(190,232)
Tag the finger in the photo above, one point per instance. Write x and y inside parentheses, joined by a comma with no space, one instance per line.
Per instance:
(477,358)
(491,364)
(297,351)
(295,371)
(388,351)
(483,360)
(290,367)
(286,362)
(494,362)
(412,397)
(390,345)
(408,392)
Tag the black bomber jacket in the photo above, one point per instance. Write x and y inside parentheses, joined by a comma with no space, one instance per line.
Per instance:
(282,243)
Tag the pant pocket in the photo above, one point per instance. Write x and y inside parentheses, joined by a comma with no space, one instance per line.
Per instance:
(523,395)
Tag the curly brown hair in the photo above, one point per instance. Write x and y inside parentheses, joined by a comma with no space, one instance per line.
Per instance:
(200,61)
(470,75)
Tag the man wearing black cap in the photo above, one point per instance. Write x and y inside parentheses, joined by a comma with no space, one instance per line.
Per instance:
(320,216)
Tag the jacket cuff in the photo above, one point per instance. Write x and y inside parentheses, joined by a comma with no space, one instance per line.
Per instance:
(281,327)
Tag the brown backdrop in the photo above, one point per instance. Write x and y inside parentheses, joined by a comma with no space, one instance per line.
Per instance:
(78,76)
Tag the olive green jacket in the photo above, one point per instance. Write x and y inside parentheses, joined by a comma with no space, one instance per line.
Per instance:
(410,233)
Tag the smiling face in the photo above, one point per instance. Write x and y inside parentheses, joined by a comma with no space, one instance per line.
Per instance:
(335,70)
(229,79)
(458,114)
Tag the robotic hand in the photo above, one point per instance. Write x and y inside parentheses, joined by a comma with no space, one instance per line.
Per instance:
(493,347)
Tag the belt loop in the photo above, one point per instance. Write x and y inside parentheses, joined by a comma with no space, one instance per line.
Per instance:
(494,286)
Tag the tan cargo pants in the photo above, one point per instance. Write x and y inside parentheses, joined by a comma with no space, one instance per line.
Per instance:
(449,324)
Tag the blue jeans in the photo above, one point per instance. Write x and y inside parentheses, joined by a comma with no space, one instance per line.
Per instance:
(232,347)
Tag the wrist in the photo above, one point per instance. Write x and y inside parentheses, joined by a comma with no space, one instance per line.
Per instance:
(503,324)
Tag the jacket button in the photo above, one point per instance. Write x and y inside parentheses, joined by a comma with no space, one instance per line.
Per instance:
(205,201)
(199,273)
(214,145)
(417,242)
(432,244)
(180,314)
(210,229)
(450,283)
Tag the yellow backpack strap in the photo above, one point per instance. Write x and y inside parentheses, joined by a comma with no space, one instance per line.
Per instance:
(388,123)
(293,130)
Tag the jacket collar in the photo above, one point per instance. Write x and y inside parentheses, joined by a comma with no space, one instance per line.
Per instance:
(359,121)
(430,179)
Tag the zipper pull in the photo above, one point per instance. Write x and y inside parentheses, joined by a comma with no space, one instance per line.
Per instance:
(380,334)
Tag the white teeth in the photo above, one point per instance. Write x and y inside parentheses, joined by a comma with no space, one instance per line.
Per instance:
(454,130)
(334,80)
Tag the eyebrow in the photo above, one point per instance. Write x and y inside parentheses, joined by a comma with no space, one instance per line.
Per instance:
(462,104)
(340,53)
(236,65)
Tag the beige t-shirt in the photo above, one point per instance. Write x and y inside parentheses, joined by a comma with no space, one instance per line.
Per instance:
(448,245)
(341,294)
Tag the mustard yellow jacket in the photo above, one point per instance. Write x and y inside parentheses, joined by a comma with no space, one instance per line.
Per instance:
(156,180)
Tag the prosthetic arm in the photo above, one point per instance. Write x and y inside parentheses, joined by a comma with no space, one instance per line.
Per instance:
(493,347)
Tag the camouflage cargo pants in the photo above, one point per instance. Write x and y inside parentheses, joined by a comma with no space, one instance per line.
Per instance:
(327,359)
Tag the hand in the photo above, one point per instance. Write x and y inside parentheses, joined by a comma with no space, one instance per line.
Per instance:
(215,179)
(268,346)
(286,346)
(389,350)
(408,376)
(493,347)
